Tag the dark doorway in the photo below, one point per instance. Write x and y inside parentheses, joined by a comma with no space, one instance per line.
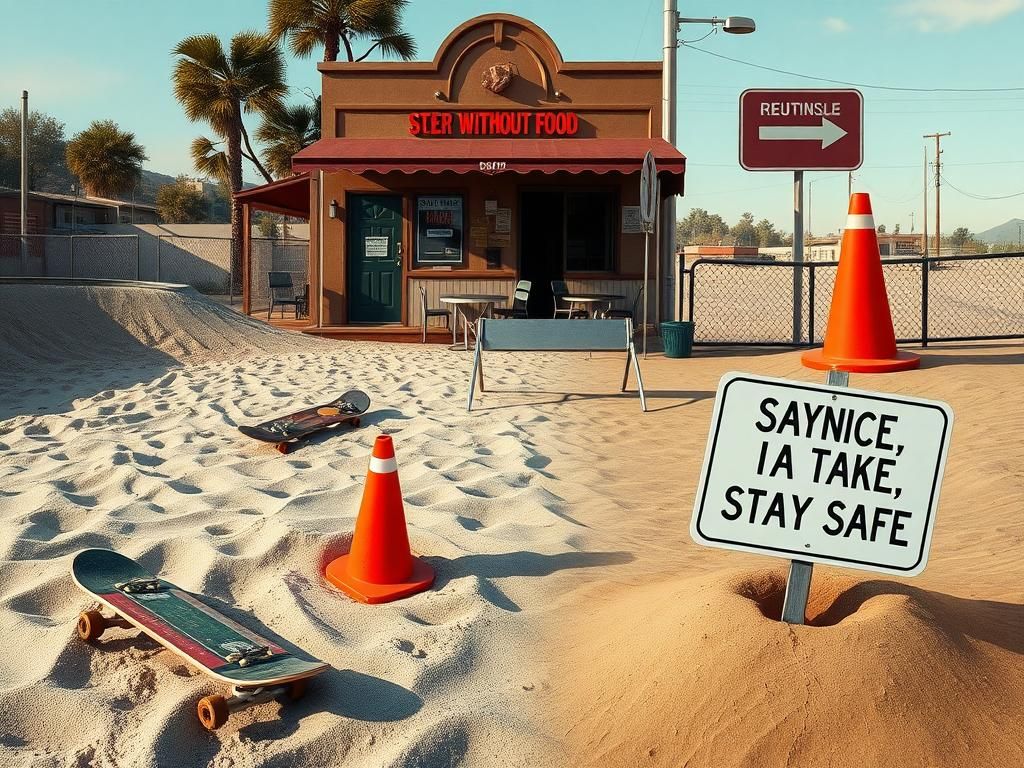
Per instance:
(541,245)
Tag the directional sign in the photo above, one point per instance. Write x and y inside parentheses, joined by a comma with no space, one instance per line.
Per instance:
(823,474)
(648,191)
(801,130)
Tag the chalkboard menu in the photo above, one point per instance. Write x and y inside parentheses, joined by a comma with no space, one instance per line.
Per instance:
(439,229)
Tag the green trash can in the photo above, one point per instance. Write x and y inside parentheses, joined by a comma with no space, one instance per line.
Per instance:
(677,336)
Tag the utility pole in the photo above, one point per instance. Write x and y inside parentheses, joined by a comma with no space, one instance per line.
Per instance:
(924,224)
(911,222)
(938,174)
(667,239)
(23,197)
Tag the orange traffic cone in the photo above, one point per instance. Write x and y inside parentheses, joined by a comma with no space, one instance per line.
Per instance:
(379,567)
(859,336)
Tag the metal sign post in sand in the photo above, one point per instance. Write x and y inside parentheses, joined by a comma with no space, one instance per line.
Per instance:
(648,207)
(798,584)
(818,473)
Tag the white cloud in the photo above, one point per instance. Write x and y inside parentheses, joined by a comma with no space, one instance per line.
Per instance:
(836,25)
(931,15)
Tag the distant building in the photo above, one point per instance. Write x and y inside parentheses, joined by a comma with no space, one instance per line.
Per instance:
(50,213)
(890,245)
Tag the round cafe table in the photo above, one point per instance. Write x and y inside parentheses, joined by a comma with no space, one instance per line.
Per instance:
(460,303)
(589,301)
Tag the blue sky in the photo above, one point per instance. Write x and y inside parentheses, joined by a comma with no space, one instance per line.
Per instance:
(111,59)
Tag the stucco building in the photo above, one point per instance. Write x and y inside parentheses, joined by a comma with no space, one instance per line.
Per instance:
(496,161)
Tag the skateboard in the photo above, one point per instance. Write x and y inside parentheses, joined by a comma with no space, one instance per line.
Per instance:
(257,669)
(286,432)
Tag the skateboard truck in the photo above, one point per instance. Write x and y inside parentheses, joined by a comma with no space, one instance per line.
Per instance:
(135,586)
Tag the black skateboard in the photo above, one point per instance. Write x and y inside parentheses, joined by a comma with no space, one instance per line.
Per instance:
(288,431)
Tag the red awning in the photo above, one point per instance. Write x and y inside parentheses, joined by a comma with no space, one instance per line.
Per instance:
(411,155)
(287,196)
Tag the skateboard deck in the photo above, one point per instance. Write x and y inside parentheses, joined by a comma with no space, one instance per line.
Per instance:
(257,669)
(287,431)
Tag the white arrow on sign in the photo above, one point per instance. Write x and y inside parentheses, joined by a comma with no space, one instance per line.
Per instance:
(828,132)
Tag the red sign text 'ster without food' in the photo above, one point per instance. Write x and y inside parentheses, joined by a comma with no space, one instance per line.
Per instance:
(801,130)
(494,123)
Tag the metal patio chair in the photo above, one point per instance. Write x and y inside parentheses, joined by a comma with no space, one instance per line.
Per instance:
(426,312)
(559,290)
(282,281)
(519,299)
(618,314)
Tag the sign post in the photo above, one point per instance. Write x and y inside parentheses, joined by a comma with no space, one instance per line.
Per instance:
(801,130)
(821,474)
(648,207)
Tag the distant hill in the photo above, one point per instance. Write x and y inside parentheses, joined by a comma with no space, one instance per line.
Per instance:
(151,182)
(1007,232)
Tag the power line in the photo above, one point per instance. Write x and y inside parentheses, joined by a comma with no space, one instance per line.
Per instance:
(846,82)
(980,197)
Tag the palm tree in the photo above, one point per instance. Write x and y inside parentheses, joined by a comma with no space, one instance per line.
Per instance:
(107,160)
(285,132)
(216,86)
(308,24)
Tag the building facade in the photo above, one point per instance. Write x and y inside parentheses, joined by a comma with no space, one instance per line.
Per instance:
(495,162)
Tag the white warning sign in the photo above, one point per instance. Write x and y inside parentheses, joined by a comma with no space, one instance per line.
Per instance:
(823,474)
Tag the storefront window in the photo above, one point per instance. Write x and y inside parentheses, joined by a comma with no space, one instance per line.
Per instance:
(589,230)
(439,229)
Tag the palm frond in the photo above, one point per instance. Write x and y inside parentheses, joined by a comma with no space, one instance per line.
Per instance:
(209,160)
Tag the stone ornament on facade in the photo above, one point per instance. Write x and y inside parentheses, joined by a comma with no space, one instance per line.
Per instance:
(497,77)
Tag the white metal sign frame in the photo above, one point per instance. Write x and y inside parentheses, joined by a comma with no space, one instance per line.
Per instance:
(734,453)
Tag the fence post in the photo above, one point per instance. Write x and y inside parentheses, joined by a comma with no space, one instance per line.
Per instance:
(159,270)
(72,237)
(810,303)
(693,286)
(925,265)
(138,259)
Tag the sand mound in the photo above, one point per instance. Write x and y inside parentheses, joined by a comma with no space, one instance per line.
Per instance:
(69,323)
(886,674)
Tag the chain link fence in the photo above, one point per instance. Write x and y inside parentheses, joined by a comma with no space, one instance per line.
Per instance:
(291,256)
(101,257)
(949,298)
(201,262)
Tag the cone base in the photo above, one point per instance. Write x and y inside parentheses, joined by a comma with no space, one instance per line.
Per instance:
(421,578)
(901,361)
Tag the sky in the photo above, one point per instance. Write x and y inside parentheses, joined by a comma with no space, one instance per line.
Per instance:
(83,60)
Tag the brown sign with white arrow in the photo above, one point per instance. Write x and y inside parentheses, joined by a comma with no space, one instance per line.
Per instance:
(801,130)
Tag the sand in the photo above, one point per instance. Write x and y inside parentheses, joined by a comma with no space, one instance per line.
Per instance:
(669,659)
(573,621)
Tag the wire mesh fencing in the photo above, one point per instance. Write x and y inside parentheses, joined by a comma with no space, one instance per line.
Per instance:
(88,256)
(952,298)
(291,256)
(202,262)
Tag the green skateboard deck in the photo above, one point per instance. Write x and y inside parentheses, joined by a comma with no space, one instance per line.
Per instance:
(257,669)
(285,432)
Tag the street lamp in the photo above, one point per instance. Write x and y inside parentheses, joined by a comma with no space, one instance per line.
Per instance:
(734,25)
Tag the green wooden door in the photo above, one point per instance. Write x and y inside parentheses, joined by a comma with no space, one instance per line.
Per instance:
(375,259)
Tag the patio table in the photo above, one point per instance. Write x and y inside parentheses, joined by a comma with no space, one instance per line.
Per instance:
(461,302)
(590,301)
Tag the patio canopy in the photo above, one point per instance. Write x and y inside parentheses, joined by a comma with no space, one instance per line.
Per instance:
(487,155)
(288,196)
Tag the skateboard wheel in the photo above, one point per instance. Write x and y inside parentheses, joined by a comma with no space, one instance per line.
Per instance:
(91,625)
(282,447)
(213,712)
(356,421)
(297,689)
